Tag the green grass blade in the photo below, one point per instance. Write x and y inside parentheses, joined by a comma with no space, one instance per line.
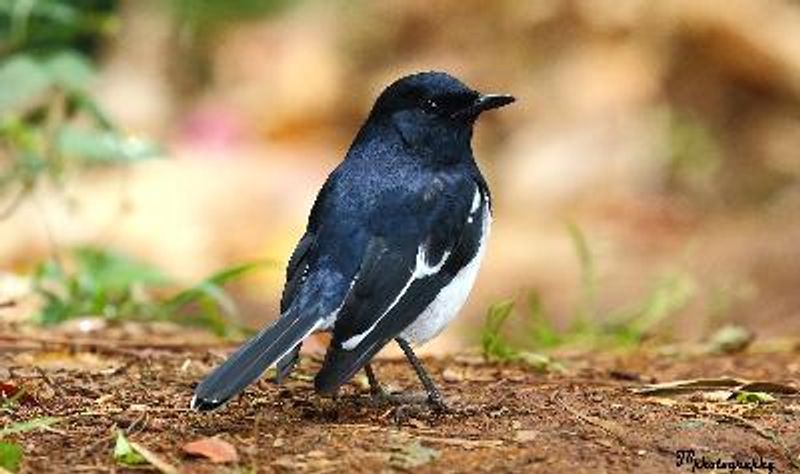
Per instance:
(30,425)
(587,307)
(493,344)
(216,280)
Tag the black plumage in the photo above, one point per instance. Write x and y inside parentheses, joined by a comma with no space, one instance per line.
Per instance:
(392,244)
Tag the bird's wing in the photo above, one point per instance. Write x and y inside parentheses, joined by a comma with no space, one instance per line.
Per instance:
(295,273)
(401,273)
(296,268)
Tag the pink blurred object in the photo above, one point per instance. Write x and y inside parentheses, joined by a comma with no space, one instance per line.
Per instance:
(212,128)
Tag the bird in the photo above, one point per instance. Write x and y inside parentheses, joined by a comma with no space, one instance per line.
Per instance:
(392,247)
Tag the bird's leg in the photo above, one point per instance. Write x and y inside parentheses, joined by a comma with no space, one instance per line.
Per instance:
(381,396)
(434,396)
(375,388)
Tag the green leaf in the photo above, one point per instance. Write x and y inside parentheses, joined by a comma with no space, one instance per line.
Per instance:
(124,452)
(10,456)
(22,80)
(100,282)
(214,303)
(210,287)
(754,397)
(116,270)
(102,146)
(87,104)
(30,425)
(70,70)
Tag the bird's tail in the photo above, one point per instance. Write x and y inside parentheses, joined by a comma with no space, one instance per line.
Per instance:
(254,357)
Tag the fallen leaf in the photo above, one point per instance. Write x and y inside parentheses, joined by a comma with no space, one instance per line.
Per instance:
(8,389)
(682,386)
(410,454)
(215,449)
(12,393)
(769,387)
(10,456)
(722,383)
(754,397)
(124,452)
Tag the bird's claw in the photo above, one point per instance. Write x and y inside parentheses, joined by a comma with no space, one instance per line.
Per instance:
(435,402)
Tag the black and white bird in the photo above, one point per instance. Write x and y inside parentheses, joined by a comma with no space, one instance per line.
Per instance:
(392,247)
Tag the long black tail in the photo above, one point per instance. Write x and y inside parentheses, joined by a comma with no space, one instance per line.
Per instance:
(253,358)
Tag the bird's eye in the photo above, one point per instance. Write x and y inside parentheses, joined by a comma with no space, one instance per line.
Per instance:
(430,105)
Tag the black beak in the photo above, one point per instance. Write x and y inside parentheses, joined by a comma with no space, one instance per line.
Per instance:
(483,103)
(492,101)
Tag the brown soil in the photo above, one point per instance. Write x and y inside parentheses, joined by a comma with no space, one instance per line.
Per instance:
(586,419)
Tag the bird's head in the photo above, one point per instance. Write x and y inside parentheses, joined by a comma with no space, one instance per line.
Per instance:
(433,111)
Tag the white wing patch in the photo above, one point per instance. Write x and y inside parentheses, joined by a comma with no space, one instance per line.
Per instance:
(476,201)
(452,297)
(421,270)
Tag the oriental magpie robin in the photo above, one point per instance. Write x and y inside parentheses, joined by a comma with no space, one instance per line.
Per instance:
(392,247)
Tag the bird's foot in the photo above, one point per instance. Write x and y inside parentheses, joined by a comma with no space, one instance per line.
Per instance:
(438,403)
(435,402)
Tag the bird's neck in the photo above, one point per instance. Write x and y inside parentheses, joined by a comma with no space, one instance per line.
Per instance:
(436,146)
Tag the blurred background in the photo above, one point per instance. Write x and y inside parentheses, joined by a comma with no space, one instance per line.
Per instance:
(646,184)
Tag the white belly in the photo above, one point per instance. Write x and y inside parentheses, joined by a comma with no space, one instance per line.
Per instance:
(451,299)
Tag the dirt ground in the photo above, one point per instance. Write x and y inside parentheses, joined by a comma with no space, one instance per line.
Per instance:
(509,418)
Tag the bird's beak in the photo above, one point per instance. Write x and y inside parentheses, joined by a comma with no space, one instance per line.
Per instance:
(483,103)
(492,101)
